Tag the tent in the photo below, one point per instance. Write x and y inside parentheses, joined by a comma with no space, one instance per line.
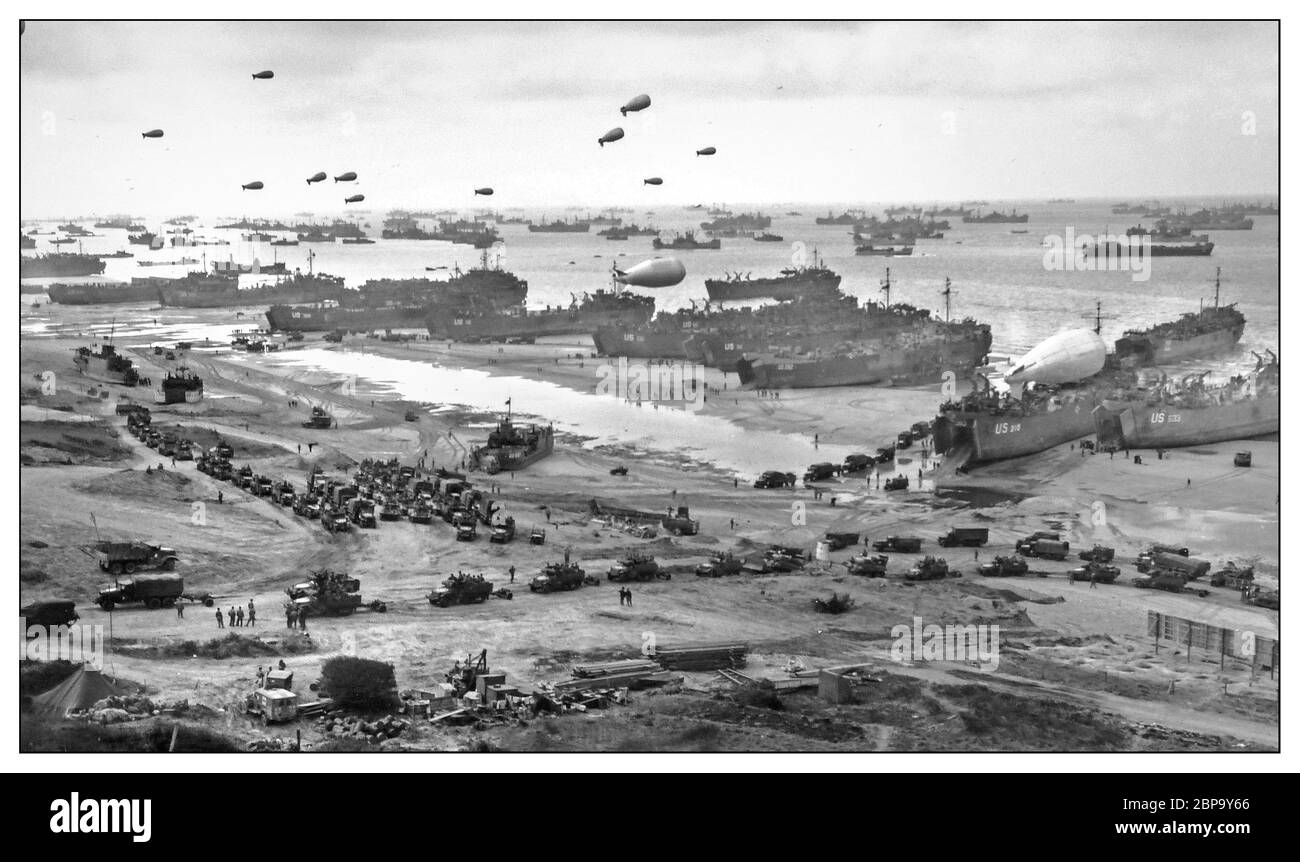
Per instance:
(79,691)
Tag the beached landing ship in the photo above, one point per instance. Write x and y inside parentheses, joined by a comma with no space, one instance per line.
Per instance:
(219,291)
(603,308)
(1210,330)
(182,387)
(511,448)
(106,365)
(139,290)
(43,266)
(793,283)
(1193,414)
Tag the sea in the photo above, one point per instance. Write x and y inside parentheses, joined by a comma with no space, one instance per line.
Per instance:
(998,275)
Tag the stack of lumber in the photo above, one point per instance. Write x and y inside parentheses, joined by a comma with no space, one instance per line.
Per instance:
(606,668)
(704,656)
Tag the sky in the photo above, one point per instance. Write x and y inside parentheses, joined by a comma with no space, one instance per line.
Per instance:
(840,112)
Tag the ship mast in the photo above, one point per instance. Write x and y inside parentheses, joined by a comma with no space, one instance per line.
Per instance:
(947,299)
(885,285)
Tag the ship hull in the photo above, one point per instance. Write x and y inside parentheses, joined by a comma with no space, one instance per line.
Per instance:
(916,366)
(225,297)
(775,288)
(1155,350)
(308,319)
(621,341)
(1150,426)
(539,325)
(101,294)
(37,267)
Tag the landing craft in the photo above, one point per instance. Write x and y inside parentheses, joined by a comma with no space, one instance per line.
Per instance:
(609,137)
(1063,358)
(253,186)
(640,103)
(318,177)
(483,191)
(346,178)
(707,151)
(265,76)
(355,199)
(653,181)
(657,272)
(152,133)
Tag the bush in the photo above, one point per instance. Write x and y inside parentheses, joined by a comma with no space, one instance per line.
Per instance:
(359,682)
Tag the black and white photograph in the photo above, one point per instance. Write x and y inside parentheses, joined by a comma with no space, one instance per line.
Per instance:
(733,389)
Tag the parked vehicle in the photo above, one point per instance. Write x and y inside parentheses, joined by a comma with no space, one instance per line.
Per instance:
(965,537)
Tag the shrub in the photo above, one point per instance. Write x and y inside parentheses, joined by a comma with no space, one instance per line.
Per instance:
(359,682)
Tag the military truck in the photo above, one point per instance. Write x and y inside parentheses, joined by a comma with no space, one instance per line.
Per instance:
(129,557)
(362,512)
(1241,459)
(1190,567)
(334,520)
(966,537)
(868,565)
(1005,567)
(461,589)
(857,463)
(1045,548)
(931,569)
(774,479)
(50,614)
(885,454)
(561,576)
(1095,571)
(318,419)
(897,483)
(537,536)
(466,531)
(391,509)
(1047,535)
(1098,554)
(819,472)
(154,591)
(503,533)
(282,494)
(898,544)
(840,541)
(307,506)
(636,566)
(1169,581)
(329,593)
(722,563)
(421,512)
(1233,576)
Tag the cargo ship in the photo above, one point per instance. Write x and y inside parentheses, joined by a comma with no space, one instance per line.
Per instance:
(996,217)
(139,290)
(106,365)
(217,291)
(793,283)
(1189,246)
(560,227)
(843,218)
(512,448)
(582,317)
(1193,414)
(687,242)
(625,231)
(769,237)
(145,238)
(43,266)
(883,250)
(181,387)
(743,222)
(232,267)
(1210,330)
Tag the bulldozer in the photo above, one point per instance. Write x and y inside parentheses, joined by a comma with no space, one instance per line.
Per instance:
(461,589)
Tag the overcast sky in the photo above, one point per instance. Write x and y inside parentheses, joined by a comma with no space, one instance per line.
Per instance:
(426,112)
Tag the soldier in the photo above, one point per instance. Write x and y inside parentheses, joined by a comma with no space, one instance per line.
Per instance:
(220,623)
(180,611)
(239,617)
(231,614)
(629,597)
(512,574)
(288,616)
(302,618)
(252,615)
